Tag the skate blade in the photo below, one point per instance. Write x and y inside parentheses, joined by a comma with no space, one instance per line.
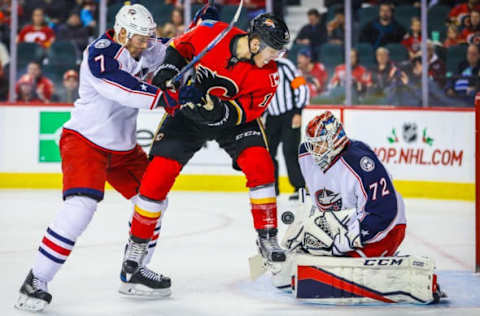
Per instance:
(139,290)
(30,304)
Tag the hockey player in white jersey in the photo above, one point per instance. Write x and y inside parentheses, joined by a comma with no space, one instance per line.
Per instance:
(341,173)
(355,213)
(98,144)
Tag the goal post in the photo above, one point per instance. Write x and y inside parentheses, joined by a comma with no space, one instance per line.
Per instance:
(477,183)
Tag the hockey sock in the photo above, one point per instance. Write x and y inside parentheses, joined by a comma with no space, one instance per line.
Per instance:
(257,166)
(153,242)
(146,217)
(264,206)
(60,237)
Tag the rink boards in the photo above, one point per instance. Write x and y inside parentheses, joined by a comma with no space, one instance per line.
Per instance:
(429,152)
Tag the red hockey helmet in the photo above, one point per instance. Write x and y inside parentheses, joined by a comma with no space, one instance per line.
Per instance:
(325,138)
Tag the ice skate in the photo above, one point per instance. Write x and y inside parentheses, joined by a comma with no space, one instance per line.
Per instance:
(268,245)
(138,280)
(34,296)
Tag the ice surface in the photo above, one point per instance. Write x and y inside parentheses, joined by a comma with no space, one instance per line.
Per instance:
(204,246)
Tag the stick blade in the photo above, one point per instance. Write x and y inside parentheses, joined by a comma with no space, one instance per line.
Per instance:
(257,266)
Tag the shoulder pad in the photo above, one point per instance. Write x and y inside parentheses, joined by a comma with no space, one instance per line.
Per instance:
(103,46)
(360,157)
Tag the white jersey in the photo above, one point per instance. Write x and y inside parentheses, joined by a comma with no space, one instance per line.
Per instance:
(357,179)
(111,92)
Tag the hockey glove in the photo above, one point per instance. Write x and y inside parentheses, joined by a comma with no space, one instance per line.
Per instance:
(347,237)
(169,101)
(163,76)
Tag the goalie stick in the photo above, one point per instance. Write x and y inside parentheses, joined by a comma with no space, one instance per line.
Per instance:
(218,38)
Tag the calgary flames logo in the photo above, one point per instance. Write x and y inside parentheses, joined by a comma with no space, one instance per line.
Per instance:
(211,82)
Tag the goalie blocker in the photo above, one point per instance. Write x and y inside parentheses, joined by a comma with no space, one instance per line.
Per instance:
(348,281)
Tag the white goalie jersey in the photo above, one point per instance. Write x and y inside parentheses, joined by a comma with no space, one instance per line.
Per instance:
(356,180)
(112,91)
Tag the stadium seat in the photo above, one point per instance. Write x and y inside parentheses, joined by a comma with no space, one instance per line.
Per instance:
(332,9)
(227,13)
(455,55)
(62,53)
(331,55)
(27,52)
(398,52)
(161,12)
(112,12)
(404,13)
(437,18)
(366,55)
(366,15)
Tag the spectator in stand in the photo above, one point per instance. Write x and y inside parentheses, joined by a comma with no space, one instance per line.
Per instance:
(453,36)
(42,86)
(177,20)
(74,31)
(70,84)
(314,33)
(314,72)
(37,32)
(413,38)
(87,13)
(463,84)
(169,30)
(26,91)
(336,27)
(460,11)
(56,10)
(471,33)
(385,76)
(436,67)
(383,30)
(361,77)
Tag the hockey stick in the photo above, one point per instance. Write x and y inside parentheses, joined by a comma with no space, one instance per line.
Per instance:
(209,47)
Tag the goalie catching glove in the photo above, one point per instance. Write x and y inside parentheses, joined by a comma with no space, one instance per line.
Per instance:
(325,233)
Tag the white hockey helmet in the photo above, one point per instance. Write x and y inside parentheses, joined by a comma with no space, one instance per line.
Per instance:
(135,19)
(325,132)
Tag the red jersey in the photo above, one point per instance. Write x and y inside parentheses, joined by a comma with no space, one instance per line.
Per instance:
(316,79)
(412,42)
(251,88)
(460,11)
(359,74)
(43,36)
(43,87)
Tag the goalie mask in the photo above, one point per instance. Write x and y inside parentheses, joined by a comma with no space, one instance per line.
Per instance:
(135,19)
(325,139)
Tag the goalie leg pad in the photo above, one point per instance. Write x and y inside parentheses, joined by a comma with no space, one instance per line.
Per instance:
(347,281)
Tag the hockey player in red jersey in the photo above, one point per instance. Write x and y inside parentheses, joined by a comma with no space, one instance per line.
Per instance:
(231,89)
(98,144)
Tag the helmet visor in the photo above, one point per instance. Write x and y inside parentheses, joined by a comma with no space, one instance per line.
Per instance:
(270,52)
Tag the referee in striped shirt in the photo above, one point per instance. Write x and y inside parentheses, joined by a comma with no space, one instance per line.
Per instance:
(284,119)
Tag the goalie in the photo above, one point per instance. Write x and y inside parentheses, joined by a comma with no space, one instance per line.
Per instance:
(356,212)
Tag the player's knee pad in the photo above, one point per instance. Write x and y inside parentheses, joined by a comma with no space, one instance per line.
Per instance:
(74,216)
(257,165)
(159,178)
